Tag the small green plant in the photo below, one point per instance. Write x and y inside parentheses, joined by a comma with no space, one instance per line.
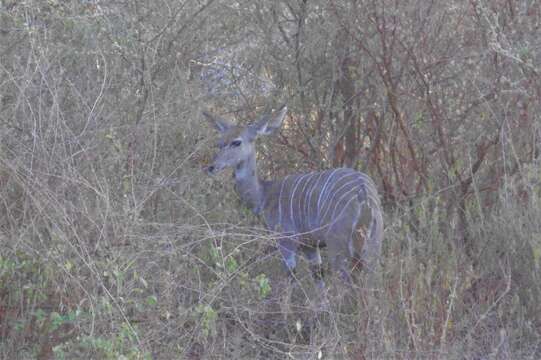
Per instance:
(122,345)
(231,264)
(215,255)
(152,300)
(263,285)
(221,260)
(208,318)
(57,319)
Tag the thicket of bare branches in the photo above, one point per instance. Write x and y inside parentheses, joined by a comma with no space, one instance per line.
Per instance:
(114,244)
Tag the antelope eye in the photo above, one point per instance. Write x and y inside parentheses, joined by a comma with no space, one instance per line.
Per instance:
(235,143)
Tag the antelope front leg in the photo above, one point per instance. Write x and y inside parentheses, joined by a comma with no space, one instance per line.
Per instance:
(314,257)
(288,250)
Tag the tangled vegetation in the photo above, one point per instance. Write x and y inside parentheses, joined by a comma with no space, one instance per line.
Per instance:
(115,245)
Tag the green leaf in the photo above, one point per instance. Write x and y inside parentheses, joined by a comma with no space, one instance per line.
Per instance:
(264,285)
(56,320)
(152,300)
(208,318)
(39,314)
(231,264)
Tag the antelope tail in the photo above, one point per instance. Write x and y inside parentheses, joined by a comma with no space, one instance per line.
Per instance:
(371,251)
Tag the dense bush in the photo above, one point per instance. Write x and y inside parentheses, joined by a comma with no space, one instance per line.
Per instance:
(115,244)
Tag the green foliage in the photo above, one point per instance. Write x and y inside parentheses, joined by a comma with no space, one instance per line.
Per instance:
(231,264)
(263,285)
(207,317)
(152,300)
(57,320)
(116,347)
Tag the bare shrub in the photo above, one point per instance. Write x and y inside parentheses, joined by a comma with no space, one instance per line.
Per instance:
(114,244)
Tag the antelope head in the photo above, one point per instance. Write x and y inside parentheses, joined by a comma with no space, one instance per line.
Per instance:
(236,145)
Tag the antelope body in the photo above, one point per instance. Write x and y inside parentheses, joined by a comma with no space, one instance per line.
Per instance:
(337,208)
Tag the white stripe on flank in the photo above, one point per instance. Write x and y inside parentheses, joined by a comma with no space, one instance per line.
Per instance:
(332,187)
(305,192)
(339,215)
(323,190)
(351,185)
(291,197)
(302,205)
(311,208)
(280,204)
(355,189)
(367,179)
(333,191)
(329,191)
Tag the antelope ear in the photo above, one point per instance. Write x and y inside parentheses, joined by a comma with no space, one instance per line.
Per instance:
(219,124)
(269,123)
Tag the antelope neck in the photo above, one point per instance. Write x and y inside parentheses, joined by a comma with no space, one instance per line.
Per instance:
(248,185)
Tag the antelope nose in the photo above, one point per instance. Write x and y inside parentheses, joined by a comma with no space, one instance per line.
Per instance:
(211,169)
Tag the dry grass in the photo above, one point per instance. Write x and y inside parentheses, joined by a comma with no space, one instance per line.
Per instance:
(115,245)
(95,281)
